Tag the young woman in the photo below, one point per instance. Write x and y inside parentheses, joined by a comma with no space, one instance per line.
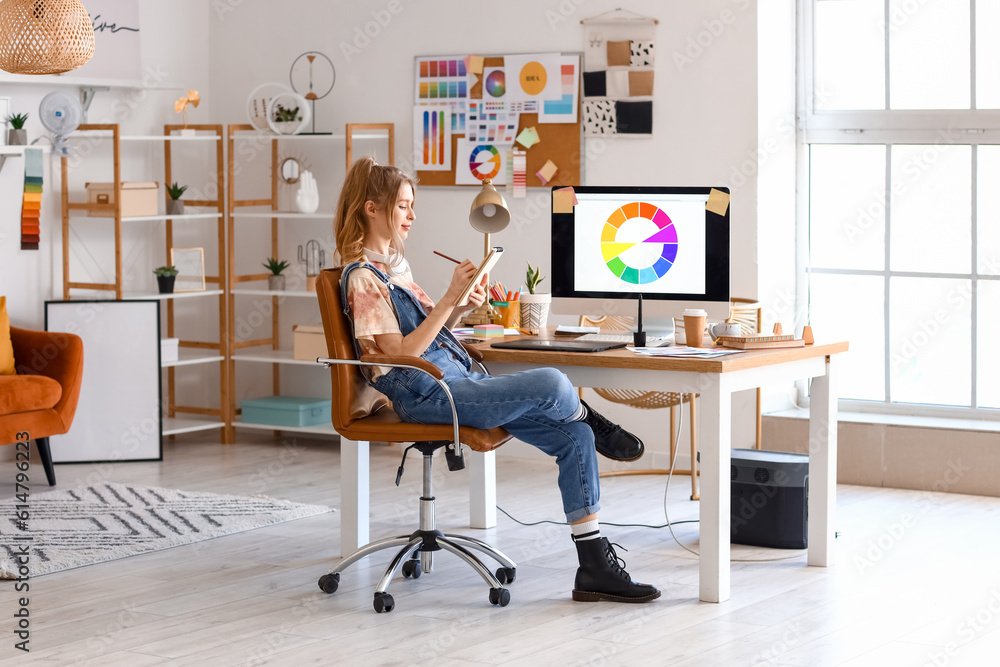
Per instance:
(392,315)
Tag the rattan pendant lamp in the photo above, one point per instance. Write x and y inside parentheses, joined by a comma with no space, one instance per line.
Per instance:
(44,36)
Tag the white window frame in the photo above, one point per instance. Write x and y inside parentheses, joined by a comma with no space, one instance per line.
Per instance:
(886,127)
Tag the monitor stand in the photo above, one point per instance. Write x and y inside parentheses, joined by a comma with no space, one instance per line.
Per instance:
(656,326)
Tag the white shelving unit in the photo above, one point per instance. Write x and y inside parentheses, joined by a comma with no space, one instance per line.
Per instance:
(268,350)
(192,354)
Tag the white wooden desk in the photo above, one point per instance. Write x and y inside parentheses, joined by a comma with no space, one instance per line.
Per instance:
(715,380)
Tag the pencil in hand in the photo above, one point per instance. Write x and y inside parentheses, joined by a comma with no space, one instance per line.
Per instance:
(447,257)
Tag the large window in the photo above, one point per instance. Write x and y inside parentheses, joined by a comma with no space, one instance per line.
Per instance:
(900,144)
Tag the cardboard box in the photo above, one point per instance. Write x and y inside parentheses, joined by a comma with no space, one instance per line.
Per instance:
(309,342)
(169,349)
(286,411)
(137,199)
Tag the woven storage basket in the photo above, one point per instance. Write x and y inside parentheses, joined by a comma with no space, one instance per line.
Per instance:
(44,36)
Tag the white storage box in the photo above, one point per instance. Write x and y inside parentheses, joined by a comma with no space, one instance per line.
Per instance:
(169,349)
(309,342)
(137,198)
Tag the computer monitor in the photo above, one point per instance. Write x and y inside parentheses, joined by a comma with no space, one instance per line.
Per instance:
(662,242)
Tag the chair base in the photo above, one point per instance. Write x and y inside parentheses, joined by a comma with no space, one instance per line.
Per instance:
(415,551)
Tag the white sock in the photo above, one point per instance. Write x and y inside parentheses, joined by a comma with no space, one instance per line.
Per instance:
(588,530)
(580,414)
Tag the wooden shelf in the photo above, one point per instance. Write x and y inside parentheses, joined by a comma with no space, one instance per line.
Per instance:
(178,425)
(153,218)
(266,355)
(189,356)
(310,137)
(283,214)
(320,429)
(267,292)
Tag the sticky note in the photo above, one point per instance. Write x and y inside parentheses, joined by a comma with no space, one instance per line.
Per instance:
(528,137)
(476,64)
(718,201)
(547,171)
(563,200)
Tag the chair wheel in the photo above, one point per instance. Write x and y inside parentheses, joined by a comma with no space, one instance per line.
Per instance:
(383,602)
(329,583)
(411,569)
(499,596)
(506,575)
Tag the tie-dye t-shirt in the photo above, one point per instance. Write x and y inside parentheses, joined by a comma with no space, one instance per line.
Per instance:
(372,308)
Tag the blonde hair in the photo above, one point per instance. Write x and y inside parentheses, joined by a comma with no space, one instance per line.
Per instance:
(366,181)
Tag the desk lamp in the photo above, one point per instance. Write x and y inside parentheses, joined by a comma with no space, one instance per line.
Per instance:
(489,214)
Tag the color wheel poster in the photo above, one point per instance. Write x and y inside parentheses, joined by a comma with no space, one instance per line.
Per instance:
(432,138)
(476,162)
(654,245)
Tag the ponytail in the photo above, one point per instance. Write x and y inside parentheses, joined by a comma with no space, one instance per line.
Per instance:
(366,181)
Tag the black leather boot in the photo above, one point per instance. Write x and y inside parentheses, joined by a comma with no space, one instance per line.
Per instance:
(611,439)
(601,576)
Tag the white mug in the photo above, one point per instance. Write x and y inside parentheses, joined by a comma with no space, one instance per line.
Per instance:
(724,329)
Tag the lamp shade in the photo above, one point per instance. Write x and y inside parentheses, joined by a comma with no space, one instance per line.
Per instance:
(44,36)
(489,212)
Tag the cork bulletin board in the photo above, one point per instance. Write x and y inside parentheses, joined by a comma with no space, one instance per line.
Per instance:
(454,87)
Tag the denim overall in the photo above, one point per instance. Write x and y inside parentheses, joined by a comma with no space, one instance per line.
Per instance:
(533,405)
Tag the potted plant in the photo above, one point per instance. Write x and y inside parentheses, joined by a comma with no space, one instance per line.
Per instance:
(287,120)
(165,276)
(174,204)
(275,281)
(534,306)
(17,135)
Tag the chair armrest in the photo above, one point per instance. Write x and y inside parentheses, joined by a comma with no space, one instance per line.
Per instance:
(403,360)
(33,355)
(474,352)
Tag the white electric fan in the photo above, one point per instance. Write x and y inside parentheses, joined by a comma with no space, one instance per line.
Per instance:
(60,113)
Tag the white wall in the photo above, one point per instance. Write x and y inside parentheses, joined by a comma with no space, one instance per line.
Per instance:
(174,39)
(705,122)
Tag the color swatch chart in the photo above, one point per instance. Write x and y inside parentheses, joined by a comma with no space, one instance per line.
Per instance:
(490,121)
(433,123)
(639,243)
(442,80)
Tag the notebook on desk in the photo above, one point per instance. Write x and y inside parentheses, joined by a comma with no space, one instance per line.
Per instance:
(557,345)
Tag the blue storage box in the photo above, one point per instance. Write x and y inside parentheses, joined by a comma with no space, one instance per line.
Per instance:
(287,411)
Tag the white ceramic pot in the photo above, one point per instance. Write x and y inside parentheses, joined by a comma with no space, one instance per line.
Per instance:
(17,137)
(535,311)
(276,283)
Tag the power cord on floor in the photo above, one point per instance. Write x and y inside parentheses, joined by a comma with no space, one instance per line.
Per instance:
(666,515)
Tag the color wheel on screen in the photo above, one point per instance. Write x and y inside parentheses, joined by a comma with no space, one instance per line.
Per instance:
(485,162)
(639,243)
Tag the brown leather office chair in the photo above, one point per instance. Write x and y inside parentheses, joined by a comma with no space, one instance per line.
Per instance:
(361,413)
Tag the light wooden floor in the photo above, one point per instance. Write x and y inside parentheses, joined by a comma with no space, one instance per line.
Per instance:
(917,580)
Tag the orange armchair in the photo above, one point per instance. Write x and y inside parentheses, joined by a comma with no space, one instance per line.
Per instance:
(41,399)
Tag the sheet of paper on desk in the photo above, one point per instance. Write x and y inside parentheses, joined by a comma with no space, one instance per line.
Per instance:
(696,352)
(566,329)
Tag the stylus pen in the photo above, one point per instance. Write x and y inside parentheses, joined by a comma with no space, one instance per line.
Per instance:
(447,257)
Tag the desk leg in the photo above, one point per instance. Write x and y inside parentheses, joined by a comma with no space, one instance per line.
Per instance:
(354,494)
(716,441)
(482,489)
(823,465)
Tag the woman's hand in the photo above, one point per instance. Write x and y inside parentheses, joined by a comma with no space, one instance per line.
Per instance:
(477,296)
(459,279)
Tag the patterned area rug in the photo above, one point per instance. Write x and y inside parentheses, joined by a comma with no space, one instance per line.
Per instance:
(83,526)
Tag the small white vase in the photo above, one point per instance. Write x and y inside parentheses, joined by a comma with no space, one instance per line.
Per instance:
(535,311)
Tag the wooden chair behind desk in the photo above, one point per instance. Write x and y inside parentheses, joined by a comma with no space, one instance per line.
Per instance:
(360,413)
(649,400)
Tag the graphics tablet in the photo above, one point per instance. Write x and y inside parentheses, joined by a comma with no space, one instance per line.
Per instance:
(557,345)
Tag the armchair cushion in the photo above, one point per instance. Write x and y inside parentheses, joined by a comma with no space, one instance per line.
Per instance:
(6,349)
(25,393)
